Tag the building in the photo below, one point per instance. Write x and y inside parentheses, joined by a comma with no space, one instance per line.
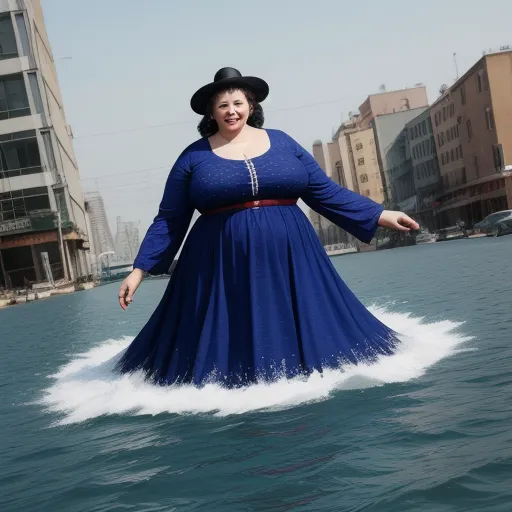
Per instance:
(43,221)
(391,102)
(394,160)
(366,164)
(472,123)
(102,239)
(327,155)
(425,167)
(127,241)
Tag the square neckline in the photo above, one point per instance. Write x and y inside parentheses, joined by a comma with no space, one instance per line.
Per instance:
(242,159)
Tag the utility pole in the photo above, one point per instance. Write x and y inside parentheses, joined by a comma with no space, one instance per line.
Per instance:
(61,247)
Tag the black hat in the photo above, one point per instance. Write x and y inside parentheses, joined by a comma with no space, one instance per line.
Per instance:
(225,78)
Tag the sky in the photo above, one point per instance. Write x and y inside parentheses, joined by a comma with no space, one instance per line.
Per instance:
(127,70)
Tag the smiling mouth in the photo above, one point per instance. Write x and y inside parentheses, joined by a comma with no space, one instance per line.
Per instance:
(231,121)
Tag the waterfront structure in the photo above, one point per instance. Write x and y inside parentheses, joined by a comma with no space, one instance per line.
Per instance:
(472,124)
(43,219)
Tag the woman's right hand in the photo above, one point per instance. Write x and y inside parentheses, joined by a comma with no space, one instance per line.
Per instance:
(129,286)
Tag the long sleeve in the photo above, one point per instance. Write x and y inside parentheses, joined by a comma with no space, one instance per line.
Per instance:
(166,233)
(356,214)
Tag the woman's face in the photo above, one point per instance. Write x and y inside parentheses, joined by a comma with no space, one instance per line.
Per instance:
(231,111)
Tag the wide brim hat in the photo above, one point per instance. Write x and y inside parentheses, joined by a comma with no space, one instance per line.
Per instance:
(224,79)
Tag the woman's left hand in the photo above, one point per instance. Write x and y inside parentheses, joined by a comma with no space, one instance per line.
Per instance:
(397,220)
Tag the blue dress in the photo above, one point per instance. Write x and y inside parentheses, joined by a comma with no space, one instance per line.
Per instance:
(253,296)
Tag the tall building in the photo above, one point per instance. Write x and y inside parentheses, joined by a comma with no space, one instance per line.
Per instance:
(394,159)
(366,164)
(327,156)
(472,123)
(102,239)
(391,102)
(127,240)
(42,210)
(425,167)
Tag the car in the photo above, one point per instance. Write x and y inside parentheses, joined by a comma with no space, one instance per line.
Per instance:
(496,224)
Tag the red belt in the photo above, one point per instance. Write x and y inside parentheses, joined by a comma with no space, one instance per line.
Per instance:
(253,204)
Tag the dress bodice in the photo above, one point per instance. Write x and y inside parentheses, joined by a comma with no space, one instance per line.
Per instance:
(216,181)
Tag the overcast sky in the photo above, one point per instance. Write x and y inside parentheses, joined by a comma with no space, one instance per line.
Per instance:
(128,68)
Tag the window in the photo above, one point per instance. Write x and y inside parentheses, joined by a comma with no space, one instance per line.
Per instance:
(20,156)
(447,157)
(442,158)
(452,109)
(416,132)
(36,93)
(13,97)
(360,161)
(442,138)
(470,129)
(486,81)
(477,167)
(429,123)
(457,130)
(489,119)
(411,134)
(463,95)
(444,113)
(448,135)
(17,204)
(452,155)
(8,48)
(363,178)
(499,161)
(460,152)
(359,146)
(479,85)
(457,153)
(22,30)
(424,127)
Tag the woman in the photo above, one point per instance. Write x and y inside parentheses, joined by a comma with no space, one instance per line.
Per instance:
(253,296)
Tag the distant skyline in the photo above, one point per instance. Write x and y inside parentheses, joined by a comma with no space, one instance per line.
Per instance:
(131,67)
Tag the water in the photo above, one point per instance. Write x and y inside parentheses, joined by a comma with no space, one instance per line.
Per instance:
(425,430)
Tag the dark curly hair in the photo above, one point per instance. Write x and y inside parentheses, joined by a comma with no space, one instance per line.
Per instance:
(208,126)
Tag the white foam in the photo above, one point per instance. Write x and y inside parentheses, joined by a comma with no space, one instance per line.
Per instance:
(87,387)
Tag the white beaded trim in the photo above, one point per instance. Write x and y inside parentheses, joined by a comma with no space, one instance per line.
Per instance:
(253,175)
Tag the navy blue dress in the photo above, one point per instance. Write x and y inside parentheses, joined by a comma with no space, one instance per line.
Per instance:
(254,295)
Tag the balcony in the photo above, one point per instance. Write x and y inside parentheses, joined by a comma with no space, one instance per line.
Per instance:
(12,173)
(15,112)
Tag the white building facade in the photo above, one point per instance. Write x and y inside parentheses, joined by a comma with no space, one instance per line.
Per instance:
(42,208)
